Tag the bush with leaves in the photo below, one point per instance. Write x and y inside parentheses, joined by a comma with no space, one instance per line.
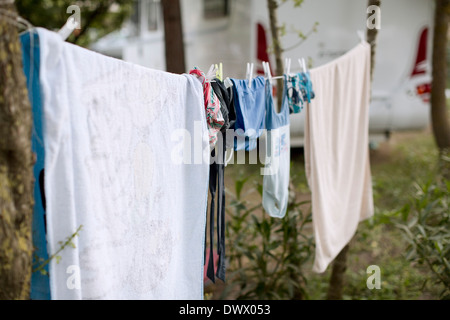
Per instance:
(426,226)
(265,254)
(98,18)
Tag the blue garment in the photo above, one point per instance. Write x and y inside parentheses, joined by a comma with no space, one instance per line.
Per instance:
(250,112)
(276,120)
(277,166)
(40,286)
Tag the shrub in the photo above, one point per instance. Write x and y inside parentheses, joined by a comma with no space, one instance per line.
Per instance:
(426,226)
(265,254)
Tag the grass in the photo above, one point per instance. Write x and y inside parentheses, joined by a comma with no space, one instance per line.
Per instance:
(397,165)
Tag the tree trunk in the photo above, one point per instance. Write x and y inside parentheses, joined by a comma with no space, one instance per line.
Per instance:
(16,165)
(336,284)
(278,51)
(372,35)
(439,116)
(174,40)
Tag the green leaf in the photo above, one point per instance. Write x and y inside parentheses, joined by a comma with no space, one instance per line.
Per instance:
(412,222)
(297,3)
(405,211)
(239,185)
(447,264)
(421,230)
(43,272)
(411,254)
(438,246)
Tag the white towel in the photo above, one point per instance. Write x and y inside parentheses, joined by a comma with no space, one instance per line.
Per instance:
(337,152)
(109,145)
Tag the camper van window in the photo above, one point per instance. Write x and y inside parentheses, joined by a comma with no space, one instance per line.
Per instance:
(216,8)
(145,16)
(152,15)
(135,18)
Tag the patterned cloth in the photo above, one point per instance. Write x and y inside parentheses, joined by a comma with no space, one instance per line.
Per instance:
(214,116)
(299,91)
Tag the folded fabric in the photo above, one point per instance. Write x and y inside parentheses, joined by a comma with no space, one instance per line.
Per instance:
(337,152)
(113,170)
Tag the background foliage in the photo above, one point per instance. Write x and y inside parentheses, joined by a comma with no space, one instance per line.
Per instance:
(98,18)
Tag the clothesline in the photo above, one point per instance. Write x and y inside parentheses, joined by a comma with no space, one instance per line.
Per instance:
(130,190)
(273,78)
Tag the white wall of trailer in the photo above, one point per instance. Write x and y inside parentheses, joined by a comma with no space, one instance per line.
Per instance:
(232,39)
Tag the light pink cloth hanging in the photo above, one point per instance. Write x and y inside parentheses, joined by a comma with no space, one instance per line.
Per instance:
(337,152)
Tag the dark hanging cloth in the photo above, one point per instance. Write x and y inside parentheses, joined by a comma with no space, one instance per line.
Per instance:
(43,200)
(217,184)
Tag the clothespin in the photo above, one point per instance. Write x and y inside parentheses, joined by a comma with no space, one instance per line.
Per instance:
(267,72)
(287,66)
(250,68)
(68,28)
(302,63)
(228,83)
(219,71)
(211,73)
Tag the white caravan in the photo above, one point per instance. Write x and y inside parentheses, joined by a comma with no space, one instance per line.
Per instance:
(236,32)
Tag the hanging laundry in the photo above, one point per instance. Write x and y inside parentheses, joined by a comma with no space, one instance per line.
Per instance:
(299,91)
(337,152)
(40,286)
(227,109)
(109,169)
(294,94)
(250,107)
(214,116)
(306,86)
(217,185)
(277,167)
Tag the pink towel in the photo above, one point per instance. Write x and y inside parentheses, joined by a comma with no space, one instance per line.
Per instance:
(337,152)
